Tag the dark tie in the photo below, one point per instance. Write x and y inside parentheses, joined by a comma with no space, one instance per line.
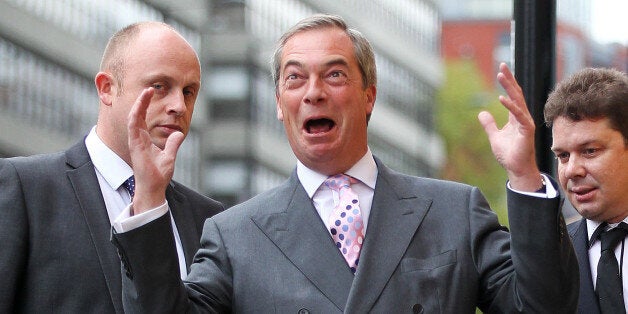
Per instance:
(609,284)
(129,185)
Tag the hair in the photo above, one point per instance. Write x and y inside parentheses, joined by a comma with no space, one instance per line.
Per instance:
(362,48)
(113,59)
(591,93)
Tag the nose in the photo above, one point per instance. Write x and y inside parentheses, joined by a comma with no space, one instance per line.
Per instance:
(315,91)
(573,168)
(176,104)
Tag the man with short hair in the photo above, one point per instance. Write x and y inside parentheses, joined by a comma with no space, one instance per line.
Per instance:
(56,210)
(588,113)
(345,233)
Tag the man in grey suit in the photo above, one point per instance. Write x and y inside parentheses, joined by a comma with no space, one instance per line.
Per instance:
(56,210)
(424,245)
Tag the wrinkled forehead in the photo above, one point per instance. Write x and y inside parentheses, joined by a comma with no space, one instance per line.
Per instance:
(321,46)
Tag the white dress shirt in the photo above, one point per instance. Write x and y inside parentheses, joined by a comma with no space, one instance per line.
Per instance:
(365,170)
(595,247)
(111,172)
(323,198)
(326,199)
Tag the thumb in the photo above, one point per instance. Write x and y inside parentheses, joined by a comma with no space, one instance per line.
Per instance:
(488,122)
(173,143)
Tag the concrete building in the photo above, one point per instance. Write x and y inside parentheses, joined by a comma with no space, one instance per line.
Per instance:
(50,52)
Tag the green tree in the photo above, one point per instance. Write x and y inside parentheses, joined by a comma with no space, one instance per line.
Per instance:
(469,156)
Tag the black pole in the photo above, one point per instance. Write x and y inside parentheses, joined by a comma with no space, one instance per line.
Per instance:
(535,61)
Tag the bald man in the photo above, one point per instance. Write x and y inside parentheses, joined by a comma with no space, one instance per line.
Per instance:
(56,210)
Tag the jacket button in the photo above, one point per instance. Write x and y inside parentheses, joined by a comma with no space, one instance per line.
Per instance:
(417,309)
(304,311)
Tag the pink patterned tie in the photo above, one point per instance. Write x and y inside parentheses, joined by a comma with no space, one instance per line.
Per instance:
(345,223)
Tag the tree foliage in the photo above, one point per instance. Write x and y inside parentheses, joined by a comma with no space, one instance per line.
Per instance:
(469,156)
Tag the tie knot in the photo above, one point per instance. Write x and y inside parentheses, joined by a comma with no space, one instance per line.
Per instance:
(336,182)
(611,238)
(129,185)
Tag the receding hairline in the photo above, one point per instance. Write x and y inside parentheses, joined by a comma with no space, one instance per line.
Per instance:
(114,54)
(362,49)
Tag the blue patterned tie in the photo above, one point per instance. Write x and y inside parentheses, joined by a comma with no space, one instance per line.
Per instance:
(129,185)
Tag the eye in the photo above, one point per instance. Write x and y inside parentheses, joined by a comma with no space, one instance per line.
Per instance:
(562,157)
(189,91)
(336,77)
(293,80)
(158,86)
(590,152)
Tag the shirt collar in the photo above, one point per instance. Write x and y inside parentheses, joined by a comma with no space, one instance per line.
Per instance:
(593,226)
(364,170)
(112,168)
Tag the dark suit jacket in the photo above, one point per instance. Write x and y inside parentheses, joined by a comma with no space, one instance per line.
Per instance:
(56,254)
(431,247)
(587,303)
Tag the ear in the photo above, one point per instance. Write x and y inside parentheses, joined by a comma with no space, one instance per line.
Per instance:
(371,95)
(105,85)
(279,111)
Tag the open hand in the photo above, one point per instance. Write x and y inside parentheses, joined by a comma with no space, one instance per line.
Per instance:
(513,144)
(153,167)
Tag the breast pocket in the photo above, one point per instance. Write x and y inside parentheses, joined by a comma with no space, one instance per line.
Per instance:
(426,280)
(410,264)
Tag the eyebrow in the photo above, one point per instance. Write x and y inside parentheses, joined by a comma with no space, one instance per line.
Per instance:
(579,146)
(330,63)
(167,78)
(337,61)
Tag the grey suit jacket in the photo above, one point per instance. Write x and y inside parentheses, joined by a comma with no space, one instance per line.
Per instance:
(588,302)
(431,247)
(56,255)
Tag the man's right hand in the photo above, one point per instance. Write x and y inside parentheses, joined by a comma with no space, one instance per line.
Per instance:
(153,167)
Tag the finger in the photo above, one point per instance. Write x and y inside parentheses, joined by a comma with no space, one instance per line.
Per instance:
(173,143)
(503,68)
(137,114)
(508,81)
(488,123)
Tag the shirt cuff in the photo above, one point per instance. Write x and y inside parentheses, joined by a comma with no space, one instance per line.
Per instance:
(125,222)
(550,191)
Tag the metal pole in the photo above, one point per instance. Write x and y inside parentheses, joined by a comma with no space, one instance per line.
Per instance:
(535,66)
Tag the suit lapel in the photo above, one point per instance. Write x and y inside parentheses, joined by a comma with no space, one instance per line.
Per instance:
(182,214)
(588,302)
(83,179)
(396,214)
(301,236)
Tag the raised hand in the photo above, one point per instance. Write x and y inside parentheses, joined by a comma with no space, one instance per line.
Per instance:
(513,144)
(153,167)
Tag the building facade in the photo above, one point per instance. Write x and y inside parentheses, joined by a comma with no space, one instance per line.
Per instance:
(480,30)
(51,50)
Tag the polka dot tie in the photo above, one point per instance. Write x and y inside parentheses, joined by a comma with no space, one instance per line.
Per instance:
(129,185)
(345,223)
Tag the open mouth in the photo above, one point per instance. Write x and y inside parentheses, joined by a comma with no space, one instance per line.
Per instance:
(315,126)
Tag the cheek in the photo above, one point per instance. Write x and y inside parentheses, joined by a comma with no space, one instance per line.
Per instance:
(288,114)
(561,176)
